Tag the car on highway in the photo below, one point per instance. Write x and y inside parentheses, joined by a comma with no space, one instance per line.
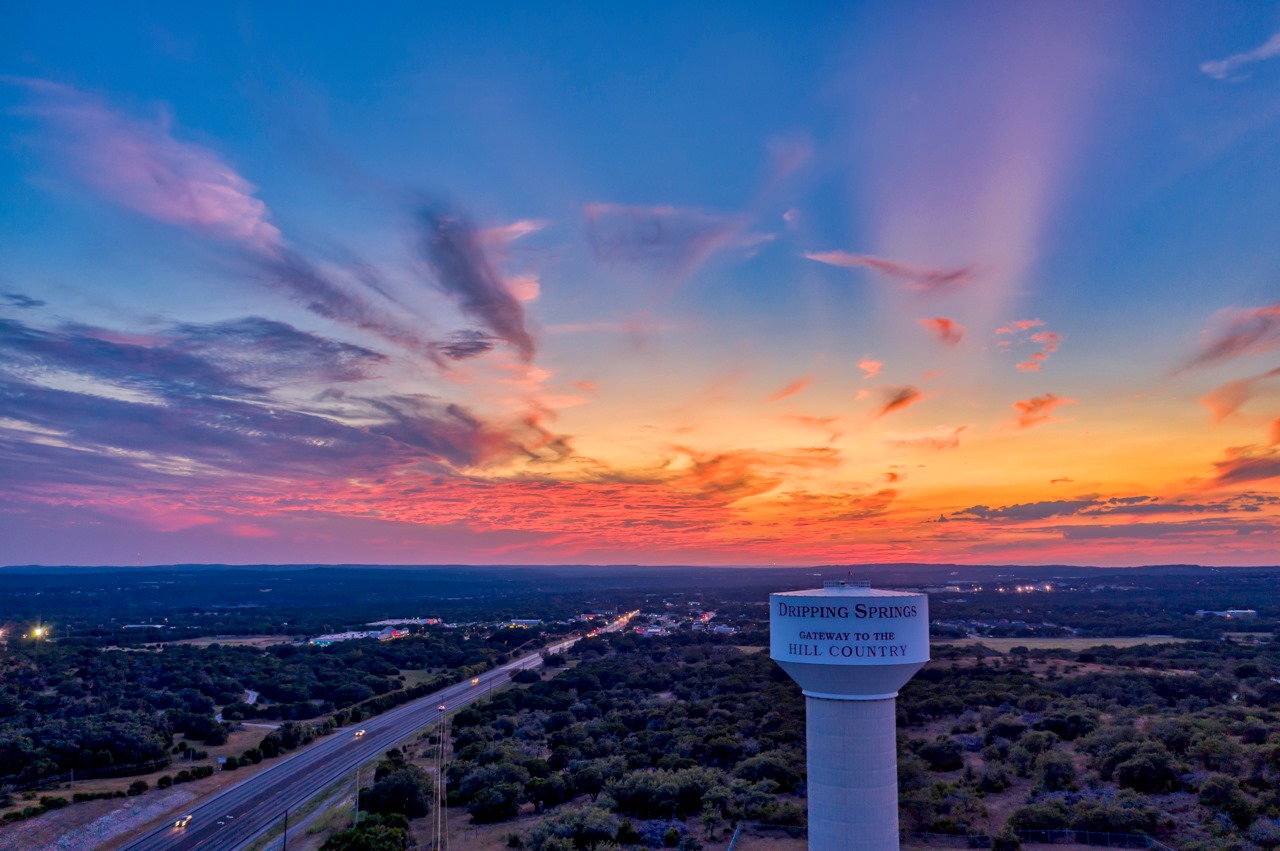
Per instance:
(183,822)
(359,733)
(441,707)
(475,681)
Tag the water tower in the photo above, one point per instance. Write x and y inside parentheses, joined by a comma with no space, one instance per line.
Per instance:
(851,647)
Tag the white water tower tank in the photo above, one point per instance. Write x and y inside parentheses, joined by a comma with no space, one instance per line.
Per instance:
(850,647)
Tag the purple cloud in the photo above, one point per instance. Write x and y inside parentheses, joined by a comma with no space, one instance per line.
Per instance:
(671,239)
(920,278)
(1238,332)
(454,251)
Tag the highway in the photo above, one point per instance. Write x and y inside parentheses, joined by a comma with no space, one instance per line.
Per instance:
(239,814)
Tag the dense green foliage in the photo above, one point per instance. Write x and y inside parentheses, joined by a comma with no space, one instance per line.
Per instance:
(661,730)
(101,712)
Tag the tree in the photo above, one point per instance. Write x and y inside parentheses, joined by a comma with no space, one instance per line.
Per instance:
(584,827)
(372,837)
(496,803)
(1055,772)
(943,754)
(406,789)
(1223,794)
(1150,770)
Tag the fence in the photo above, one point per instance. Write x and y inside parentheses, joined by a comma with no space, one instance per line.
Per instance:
(13,784)
(947,840)
(1095,838)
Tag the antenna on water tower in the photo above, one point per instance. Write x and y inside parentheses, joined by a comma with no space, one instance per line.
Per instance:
(850,647)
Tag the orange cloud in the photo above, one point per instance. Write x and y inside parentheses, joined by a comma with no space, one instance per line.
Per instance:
(791,389)
(945,330)
(1019,325)
(871,368)
(1275,433)
(1047,341)
(1038,409)
(1225,399)
(897,398)
(936,440)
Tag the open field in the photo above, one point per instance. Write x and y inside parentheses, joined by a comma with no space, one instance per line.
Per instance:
(258,641)
(1004,645)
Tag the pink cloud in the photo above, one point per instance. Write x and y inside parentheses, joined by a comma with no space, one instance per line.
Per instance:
(920,278)
(1038,409)
(524,287)
(140,165)
(945,330)
(1238,332)
(1046,341)
(1225,399)
(870,367)
(502,234)
(800,384)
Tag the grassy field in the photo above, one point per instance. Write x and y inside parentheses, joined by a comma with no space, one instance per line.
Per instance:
(1004,645)
(237,641)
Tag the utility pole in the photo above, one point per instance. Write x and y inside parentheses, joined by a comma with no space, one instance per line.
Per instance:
(286,829)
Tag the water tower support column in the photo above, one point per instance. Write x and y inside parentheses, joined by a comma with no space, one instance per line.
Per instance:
(853,773)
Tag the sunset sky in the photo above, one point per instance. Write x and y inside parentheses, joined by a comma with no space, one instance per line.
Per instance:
(758,283)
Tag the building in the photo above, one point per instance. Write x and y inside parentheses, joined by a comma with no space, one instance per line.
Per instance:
(1239,614)
(850,648)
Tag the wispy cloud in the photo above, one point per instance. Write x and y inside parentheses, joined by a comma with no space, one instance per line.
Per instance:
(1247,464)
(202,402)
(1038,409)
(1225,399)
(22,302)
(456,256)
(1221,69)
(897,398)
(1239,331)
(937,439)
(1049,342)
(672,239)
(466,344)
(922,279)
(943,329)
(1019,325)
(792,388)
(140,165)
(1016,334)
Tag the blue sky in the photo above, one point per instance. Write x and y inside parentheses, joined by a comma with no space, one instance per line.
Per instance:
(691,284)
